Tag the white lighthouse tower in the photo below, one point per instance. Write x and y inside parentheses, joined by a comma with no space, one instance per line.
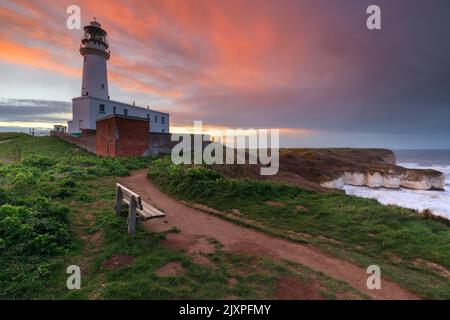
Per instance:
(94,102)
(94,49)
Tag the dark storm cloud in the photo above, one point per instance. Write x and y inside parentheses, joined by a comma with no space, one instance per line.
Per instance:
(30,110)
(289,64)
(396,80)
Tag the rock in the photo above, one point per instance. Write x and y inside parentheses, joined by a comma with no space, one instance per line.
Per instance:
(374,180)
(391,182)
(354,178)
(333,184)
(374,168)
(406,178)
(423,180)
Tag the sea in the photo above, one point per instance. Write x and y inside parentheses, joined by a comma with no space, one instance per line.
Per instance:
(436,201)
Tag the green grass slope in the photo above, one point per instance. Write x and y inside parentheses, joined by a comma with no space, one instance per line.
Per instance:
(56,210)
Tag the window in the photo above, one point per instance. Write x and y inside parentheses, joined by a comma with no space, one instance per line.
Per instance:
(148,116)
(156,118)
(114,110)
(101,109)
(103,86)
(162,131)
(163,120)
(125,112)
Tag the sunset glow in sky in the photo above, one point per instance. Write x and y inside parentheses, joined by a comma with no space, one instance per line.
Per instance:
(308,67)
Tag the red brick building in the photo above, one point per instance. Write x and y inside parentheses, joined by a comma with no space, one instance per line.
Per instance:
(121,136)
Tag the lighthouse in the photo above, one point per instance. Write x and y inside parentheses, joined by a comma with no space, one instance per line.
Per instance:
(94,103)
(94,49)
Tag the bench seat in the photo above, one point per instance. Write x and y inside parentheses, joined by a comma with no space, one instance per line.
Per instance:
(146,211)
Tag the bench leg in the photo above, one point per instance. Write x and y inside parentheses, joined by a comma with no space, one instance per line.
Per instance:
(132,217)
(118,205)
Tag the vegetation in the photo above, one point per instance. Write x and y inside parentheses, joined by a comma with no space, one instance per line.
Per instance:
(412,250)
(56,210)
(4,136)
(36,183)
(227,275)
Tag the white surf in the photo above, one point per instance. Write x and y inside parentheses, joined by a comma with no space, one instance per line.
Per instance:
(436,201)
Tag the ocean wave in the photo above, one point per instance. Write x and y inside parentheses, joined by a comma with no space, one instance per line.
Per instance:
(411,165)
(408,164)
(436,201)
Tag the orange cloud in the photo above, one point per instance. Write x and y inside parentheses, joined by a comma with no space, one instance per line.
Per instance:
(37,27)
(238,45)
(130,84)
(12,52)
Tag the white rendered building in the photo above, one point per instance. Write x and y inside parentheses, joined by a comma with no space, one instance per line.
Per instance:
(94,102)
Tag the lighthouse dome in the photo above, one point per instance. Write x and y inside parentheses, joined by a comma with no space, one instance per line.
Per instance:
(95,24)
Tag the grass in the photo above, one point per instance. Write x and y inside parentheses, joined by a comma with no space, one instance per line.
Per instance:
(412,250)
(256,280)
(56,210)
(37,177)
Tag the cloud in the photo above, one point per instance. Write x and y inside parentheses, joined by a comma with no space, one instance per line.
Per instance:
(14,111)
(309,64)
(36,57)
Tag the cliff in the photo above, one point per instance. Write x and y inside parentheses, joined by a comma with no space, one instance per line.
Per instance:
(333,168)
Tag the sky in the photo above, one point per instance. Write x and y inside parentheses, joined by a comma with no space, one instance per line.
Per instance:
(308,67)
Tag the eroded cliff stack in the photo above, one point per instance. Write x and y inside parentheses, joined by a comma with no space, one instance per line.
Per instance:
(374,168)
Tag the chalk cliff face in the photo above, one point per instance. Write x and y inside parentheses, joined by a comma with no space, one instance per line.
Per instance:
(374,168)
(411,179)
(423,180)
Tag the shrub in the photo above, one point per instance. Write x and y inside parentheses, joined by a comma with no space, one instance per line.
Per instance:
(41,162)
(5,197)
(200,182)
(41,228)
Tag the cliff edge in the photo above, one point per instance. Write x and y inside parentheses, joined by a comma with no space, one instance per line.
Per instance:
(374,168)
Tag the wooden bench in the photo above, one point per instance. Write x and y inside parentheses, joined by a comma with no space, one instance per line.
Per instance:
(137,209)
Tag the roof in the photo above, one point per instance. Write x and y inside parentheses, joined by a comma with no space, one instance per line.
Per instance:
(121,116)
(120,103)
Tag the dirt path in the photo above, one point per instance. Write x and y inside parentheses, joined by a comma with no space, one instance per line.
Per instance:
(196,224)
